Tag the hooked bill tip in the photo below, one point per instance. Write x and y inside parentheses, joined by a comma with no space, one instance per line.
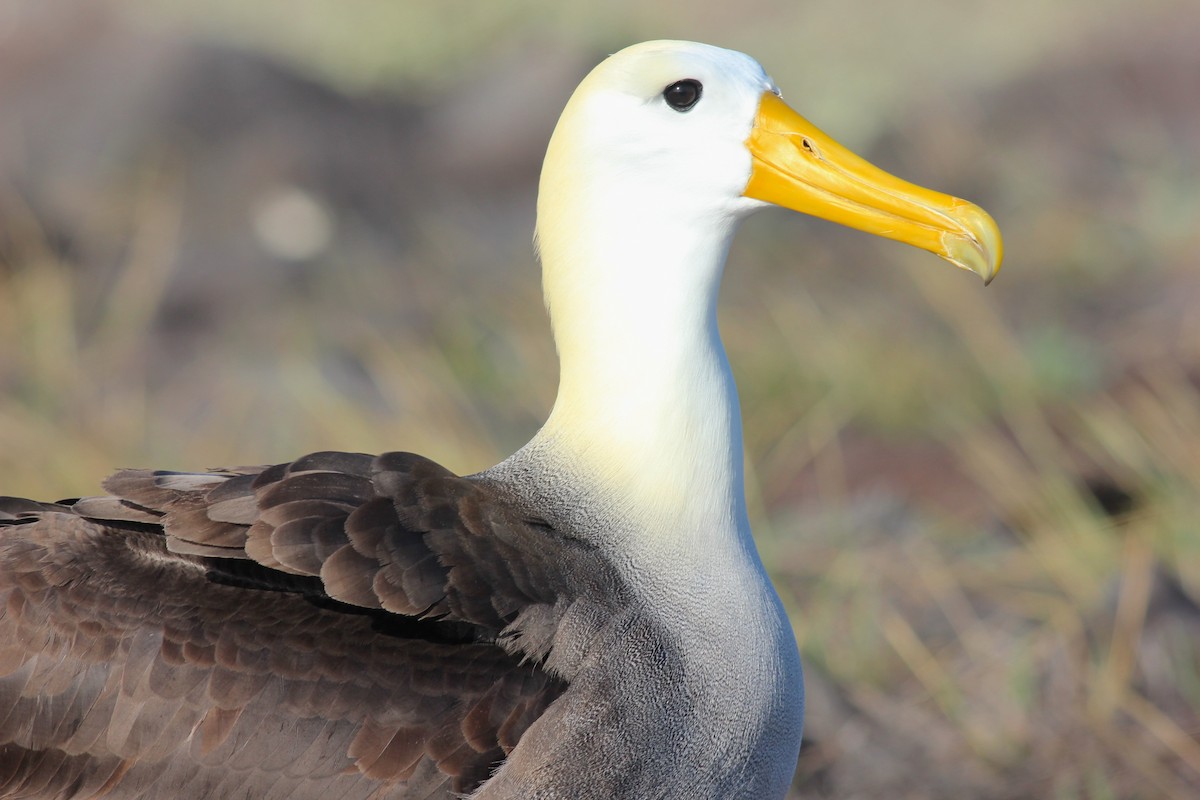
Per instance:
(978,246)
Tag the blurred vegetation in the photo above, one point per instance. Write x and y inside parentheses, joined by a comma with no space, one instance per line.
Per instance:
(979,504)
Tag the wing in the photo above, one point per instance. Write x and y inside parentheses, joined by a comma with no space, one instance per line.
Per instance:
(340,626)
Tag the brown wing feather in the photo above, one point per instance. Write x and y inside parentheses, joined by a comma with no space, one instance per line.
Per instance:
(353,626)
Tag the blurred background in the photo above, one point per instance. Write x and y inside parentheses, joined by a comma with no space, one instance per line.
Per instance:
(237,232)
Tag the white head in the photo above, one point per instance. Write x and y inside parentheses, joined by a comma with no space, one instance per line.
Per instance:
(627,135)
(659,154)
(666,146)
(626,147)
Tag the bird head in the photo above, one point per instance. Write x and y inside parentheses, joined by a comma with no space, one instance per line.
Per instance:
(680,130)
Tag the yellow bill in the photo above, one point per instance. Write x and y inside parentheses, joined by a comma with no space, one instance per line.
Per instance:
(797,166)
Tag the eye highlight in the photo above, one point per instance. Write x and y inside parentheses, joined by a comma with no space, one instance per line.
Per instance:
(684,94)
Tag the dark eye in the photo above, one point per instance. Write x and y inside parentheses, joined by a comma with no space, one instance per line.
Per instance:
(682,95)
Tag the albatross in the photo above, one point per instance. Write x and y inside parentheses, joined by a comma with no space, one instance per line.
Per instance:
(589,618)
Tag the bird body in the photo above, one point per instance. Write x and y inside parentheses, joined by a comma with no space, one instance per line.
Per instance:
(587,619)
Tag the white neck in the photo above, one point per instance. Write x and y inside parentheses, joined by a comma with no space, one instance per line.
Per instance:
(646,403)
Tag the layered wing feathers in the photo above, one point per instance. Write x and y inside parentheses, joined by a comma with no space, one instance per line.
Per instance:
(342,625)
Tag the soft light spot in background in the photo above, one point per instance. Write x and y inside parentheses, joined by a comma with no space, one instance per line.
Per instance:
(292,224)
